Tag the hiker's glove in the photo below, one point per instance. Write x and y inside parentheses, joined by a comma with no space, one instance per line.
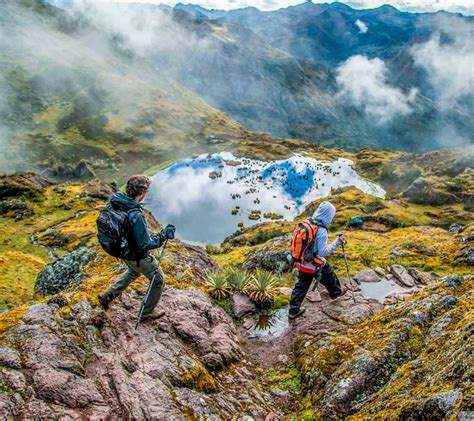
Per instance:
(169,231)
(341,237)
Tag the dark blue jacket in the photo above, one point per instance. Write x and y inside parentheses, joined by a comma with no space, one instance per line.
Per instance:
(140,239)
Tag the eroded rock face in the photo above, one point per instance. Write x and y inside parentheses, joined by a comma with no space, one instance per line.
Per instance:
(91,365)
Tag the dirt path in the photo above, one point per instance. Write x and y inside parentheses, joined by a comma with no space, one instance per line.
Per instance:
(323,314)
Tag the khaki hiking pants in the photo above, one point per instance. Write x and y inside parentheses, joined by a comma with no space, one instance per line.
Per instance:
(150,267)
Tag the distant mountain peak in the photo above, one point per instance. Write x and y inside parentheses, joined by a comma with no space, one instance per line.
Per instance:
(387,8)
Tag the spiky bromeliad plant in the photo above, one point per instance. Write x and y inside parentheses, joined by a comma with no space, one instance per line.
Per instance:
(237,279)
(262,288)
(217,285)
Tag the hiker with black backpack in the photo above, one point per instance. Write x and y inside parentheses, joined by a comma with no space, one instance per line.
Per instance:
(123,233)
(309,248)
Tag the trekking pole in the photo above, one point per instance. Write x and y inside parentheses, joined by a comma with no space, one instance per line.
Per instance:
(347,269)
(316,282)
(150,286)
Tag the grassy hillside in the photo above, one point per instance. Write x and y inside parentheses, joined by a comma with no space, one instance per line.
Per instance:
(70,92)
(59,218)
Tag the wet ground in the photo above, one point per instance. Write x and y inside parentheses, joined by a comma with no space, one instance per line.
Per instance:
(380,290)
(206,197)
(272,325)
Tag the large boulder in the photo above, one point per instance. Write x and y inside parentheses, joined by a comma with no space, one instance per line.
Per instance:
(425,191)
(64,272)
(273,257)
(84,170)
(423,278)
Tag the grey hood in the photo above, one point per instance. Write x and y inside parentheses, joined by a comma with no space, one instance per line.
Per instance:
(325,213)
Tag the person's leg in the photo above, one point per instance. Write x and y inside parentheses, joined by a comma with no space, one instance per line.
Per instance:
(114,290)
(153,271)
(330,280)
(299,291)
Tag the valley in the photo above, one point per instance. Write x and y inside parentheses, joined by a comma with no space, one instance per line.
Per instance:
(245,121)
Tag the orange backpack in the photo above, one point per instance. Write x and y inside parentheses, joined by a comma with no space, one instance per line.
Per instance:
(302,240)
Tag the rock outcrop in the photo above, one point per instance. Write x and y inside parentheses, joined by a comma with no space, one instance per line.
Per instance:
(82,363)
(412,360)
(28,184)
(273,257)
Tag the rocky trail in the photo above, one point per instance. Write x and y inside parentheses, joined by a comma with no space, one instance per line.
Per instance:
(400,355)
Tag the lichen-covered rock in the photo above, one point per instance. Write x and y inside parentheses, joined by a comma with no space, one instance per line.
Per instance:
(400,364)
(15,208)
(402,276)
(454,281)
(466,255)
(64,272)
(273,257)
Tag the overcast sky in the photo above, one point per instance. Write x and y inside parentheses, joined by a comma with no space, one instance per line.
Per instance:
(463,6)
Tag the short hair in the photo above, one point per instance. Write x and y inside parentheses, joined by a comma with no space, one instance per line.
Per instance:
(137,185)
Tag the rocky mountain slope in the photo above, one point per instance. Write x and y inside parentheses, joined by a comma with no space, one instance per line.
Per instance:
(145,89)
(401,357)
(86,96)
(329,34)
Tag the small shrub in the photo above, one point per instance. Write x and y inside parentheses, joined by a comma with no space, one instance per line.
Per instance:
(237,279)
(367,258)
(211,249)
(262,288)
(217,284)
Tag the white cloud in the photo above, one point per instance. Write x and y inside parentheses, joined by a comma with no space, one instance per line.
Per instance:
(449,65)
(462,6)
(363,28)
(364,82)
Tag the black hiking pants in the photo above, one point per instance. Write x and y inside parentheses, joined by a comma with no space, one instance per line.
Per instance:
(328,278)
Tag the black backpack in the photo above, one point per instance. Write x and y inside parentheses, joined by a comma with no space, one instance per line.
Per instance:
(113,229)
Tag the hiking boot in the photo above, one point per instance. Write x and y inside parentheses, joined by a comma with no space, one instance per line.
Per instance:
(104,301)
(301,311)
(344,289)
(154,316)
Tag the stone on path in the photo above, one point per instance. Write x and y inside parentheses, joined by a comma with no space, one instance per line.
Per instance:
(367,275)
(402,276)
(241,304)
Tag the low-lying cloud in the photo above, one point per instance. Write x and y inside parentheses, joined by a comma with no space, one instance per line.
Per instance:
(448,59)
(363,28)
(364,82)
